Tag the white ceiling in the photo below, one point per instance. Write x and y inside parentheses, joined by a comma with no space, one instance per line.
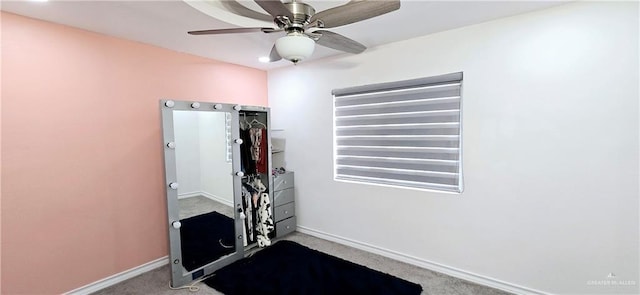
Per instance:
(165,23)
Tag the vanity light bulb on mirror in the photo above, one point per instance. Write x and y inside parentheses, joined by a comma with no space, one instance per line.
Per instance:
(238,141)
(171,145)
(176,224)
(240,173)
(217,106)
(169,103)
(237,107)
(195,105)
(173,185)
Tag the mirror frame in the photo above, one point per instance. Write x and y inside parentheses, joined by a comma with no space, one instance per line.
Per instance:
(179,276)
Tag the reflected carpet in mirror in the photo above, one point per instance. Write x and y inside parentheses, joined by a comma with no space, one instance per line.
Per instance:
(290,268)
(200,238)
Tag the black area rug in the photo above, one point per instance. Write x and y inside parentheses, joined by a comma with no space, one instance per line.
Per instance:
(290,268)
(200,239)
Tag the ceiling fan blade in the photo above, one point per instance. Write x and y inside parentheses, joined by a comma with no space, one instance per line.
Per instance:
(242,10)
(274,55)
(275,8)
(339,42)
(232,31)
(355,11)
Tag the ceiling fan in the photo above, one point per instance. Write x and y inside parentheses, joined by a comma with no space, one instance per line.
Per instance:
(304,27)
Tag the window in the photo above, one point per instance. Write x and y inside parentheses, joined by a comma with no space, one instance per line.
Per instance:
(404,133)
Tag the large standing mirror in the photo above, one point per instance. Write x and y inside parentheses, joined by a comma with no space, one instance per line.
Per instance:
(205,231)
(217,171)
(205,192)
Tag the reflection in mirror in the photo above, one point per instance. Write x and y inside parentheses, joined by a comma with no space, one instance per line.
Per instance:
(205,195)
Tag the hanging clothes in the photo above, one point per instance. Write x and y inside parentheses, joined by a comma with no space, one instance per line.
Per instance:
(247,225)
(258,223)
(264,224)
(261,164)
(246,161)
(256,140)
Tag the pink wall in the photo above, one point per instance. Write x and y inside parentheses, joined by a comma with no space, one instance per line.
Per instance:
(0,156)
(82,180)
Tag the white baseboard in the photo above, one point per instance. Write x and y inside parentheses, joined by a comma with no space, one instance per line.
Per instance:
(218,199)
(189,195)
(206,195)
(434,266)
(120,277)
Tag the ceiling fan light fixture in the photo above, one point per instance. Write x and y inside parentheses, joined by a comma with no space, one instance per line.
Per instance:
(295,47)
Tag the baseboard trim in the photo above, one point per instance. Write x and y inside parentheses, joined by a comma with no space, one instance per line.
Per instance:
(206,195)
(189,195)
(218,199)
(120,277)
(430,265)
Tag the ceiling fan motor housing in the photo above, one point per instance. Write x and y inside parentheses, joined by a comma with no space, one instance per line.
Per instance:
(301,14)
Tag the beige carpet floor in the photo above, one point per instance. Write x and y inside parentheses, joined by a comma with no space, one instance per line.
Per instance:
(157,281)
(193,206)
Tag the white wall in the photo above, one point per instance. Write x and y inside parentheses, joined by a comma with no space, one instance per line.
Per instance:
(550,145)
(216,172)
(201,155)
(187,135)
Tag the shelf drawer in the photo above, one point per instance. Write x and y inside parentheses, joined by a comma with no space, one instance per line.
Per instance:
(282,197)
(283,181)
(285,211)
(285,227)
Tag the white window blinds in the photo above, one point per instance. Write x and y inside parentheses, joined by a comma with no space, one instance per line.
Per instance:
(404,133)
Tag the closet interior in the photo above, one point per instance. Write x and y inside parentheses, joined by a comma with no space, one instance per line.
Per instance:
(255,157)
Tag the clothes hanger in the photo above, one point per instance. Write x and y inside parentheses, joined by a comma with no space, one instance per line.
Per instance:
(246,123)
(257,122)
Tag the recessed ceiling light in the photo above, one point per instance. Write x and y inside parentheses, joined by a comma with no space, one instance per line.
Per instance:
(264,59)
